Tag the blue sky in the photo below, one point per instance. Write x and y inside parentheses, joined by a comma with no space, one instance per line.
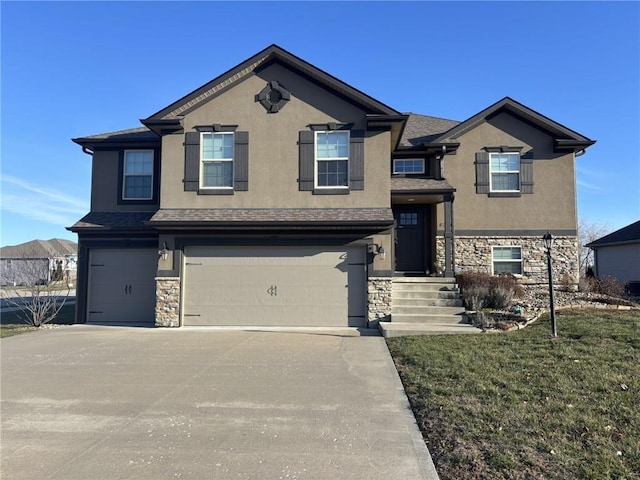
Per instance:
(72,69)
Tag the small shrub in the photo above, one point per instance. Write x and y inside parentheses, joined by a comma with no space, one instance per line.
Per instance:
(566,283)
(475,297)
(606,286)
(500,297)
(481,290)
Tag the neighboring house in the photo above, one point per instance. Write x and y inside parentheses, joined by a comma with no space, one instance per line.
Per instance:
(277,194)
(38,262)
(618,255)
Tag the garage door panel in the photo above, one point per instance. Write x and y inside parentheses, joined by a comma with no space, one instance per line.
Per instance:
(264,294)
(274,286)
(122,286)
(263,315)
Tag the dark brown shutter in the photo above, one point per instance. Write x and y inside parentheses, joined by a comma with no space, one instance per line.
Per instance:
(241,161)
(526,173)
(356,160)
(191,161)
(482,172)
(306,159)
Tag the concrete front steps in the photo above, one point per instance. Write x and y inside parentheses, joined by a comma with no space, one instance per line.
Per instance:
(425,306)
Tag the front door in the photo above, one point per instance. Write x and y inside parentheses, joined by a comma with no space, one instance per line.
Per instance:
(410,246)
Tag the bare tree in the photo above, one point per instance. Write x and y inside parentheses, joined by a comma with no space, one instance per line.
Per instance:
(39,289)
(589,231)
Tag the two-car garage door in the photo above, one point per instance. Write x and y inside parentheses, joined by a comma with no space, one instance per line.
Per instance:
(274,286)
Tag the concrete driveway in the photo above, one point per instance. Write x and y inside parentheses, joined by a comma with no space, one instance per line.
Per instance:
(94,402)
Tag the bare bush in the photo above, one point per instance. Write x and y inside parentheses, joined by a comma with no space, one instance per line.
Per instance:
(481,290)
(42,292)
(500,297)
(605,286)
(475,297)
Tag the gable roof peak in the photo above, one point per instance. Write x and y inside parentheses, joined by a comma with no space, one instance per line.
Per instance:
(565,139)
(271,53)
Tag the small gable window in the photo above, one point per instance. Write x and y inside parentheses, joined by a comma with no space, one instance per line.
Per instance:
(332,159)
(408,165)
(217,160)
(507,260)
(505,172)
(138,175)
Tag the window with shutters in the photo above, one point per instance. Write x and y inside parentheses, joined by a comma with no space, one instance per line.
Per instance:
(217,160)
(505,172)
(507,260)
(137,175)
(332,159)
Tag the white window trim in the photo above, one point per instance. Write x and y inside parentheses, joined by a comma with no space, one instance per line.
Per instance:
(421,160)
(491,172)
(209,160)
(494,261)
(316,159)
(125,174)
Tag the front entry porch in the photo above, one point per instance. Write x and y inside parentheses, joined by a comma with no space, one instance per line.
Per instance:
(423,242)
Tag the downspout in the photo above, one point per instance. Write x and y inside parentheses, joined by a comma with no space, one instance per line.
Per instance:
(579,153)
(86,150)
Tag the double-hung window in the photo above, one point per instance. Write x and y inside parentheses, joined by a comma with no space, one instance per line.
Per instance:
(217,160)
(505,172)
(507,260)
(408,165)
(138,175)
(332,159)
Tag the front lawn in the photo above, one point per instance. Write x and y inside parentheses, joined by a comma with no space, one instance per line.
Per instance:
(12,323)
(521,405)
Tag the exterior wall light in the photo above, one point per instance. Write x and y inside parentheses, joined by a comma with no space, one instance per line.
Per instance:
(377,250)
(163,252)
(548,243)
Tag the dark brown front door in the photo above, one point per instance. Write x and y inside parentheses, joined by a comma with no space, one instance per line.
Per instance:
(410,247)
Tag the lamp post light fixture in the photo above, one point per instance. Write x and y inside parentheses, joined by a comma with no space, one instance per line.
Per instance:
(548,243)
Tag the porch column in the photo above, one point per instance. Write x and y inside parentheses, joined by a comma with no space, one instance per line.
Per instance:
(449,254)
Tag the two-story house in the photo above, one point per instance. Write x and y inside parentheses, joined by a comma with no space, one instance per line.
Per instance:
(278,195)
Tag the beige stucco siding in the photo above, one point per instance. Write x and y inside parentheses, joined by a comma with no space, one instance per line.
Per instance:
(273,147)
(552,205)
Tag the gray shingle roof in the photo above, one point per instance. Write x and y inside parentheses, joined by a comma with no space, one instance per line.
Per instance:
(140,134)
(271,216)
(112,221)
(399,184)
(628,234)
(423,128)
(56,247)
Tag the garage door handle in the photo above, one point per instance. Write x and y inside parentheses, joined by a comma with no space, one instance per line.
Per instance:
(127,289)
(273,290)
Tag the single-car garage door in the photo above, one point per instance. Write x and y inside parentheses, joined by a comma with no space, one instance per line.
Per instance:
(122,286)
(275,286)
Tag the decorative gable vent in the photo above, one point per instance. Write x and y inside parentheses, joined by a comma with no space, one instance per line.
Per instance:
(273,97)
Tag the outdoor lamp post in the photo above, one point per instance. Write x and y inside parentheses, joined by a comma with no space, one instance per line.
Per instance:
(548,243)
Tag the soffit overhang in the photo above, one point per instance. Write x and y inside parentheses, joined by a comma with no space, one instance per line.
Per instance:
(392,123)
(133,137)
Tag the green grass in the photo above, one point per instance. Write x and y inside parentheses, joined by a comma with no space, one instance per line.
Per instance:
(521,405)
(12,323)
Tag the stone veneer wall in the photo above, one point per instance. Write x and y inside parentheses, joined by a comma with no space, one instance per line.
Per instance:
(379,300)
(167,302)
(474,254)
